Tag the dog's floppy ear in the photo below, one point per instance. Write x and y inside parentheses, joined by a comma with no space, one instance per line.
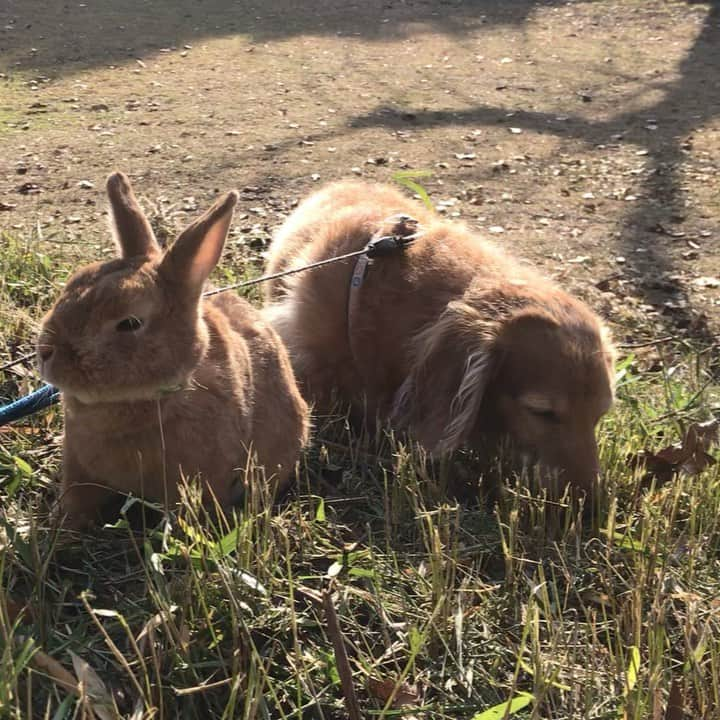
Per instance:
(454,360)
(457,357)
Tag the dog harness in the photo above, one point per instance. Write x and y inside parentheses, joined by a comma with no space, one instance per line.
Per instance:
(404,232)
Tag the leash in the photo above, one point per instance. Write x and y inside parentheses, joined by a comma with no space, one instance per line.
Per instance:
(405,230)
(38,400)
(48,395)
(285,273)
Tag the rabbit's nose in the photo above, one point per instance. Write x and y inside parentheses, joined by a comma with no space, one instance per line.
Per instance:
(45,352)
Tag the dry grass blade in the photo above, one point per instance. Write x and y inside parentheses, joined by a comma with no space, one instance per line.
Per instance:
(146,636)
(204,688)
(17,361)
(341,658)
(56,671)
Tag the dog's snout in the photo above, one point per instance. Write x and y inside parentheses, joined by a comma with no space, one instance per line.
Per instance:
(583,471)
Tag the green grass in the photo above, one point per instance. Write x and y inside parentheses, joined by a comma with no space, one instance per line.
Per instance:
(460,606)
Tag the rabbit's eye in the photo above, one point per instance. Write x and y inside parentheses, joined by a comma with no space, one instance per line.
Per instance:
(129,324)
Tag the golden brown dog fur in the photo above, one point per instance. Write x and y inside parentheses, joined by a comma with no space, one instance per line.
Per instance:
(198,388)
(453,339)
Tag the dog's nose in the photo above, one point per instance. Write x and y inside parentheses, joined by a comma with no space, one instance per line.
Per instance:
(45,352)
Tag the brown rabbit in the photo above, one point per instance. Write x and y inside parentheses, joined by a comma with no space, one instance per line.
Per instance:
(158,383)
(451,338)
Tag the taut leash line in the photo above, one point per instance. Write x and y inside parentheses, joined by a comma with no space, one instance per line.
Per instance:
(48,395)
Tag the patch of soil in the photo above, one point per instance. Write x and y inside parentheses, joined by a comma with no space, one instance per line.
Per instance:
(584,136)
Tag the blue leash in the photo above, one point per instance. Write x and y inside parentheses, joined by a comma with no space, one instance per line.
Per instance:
(46,396)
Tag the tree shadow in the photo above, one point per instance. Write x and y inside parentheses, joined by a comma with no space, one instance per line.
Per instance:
(62,37)
(689,102)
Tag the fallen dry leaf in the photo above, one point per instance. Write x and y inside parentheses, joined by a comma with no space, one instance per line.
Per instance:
(405,695)
(29,188)
(101,702)
(654,466)
(707,282)
(690,456)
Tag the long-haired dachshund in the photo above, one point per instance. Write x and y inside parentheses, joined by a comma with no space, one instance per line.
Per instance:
(451,338)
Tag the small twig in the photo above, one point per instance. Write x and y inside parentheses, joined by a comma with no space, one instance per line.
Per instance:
(609,278)
(203,688)
(664,339)
(647,343)
(341,658)
(19,360)
(310,594)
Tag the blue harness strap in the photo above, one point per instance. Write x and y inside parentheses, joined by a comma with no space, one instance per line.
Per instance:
(40,399)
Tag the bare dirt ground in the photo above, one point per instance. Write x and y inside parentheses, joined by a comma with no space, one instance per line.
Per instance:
(582,135)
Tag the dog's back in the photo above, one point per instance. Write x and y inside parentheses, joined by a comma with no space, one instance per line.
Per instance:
(400,295)
(337,219)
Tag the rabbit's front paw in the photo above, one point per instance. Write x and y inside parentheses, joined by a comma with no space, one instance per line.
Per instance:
(80,503)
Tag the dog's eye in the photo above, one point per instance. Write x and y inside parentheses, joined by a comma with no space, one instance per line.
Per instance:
(545,414)
(129,324)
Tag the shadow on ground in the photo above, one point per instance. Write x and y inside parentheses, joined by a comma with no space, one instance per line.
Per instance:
(63,38)
(689,102)
(60,37)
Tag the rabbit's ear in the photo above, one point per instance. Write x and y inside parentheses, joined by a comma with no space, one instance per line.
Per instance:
(132,231)
(197,249)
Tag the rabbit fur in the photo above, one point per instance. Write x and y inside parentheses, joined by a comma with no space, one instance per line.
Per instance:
(160,384)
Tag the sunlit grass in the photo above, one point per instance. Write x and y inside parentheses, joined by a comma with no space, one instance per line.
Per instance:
(462,607)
